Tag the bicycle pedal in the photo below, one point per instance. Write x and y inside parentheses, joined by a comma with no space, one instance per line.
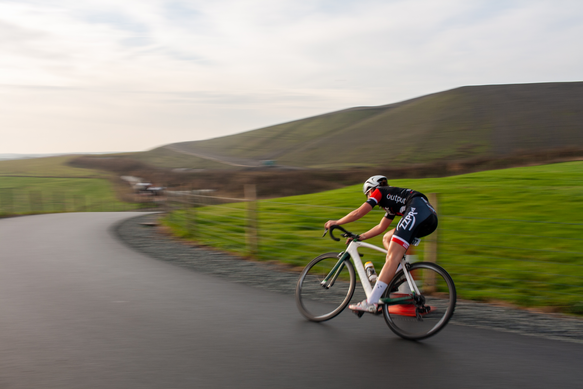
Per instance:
(425,309)
(358,313)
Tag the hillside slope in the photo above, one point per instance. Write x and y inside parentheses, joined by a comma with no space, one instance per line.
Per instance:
(467,122)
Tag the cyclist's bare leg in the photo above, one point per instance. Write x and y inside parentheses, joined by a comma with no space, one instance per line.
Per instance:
(387,238)
(394,255)
(396,252)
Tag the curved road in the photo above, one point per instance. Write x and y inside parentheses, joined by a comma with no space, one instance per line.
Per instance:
(79,309)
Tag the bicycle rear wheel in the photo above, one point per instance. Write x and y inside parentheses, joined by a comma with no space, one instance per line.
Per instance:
(420,317)
(319,301)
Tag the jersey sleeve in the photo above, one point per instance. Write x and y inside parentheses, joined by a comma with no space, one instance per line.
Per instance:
(374,198)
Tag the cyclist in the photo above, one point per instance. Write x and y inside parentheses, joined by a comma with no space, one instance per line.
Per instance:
(418,219)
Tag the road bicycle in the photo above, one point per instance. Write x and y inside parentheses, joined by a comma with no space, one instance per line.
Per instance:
(417,304)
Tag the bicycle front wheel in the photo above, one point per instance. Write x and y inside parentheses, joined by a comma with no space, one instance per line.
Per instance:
(420,316)
(320,300)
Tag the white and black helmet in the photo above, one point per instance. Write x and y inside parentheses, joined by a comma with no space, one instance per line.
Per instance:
(374,182)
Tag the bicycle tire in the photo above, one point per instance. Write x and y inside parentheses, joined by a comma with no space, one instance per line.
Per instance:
(409,320)
(318,303)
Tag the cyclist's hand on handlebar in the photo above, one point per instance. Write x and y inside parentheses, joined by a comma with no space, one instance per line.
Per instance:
(330,223)
(335,226)
(350,238)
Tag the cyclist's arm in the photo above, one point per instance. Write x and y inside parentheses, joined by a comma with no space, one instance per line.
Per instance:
(352,216)
(377,230)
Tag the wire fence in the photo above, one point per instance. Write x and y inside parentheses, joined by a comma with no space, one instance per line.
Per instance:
(525,262)
(530,263)
(25,202)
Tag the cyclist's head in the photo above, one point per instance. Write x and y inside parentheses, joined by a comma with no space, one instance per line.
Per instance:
(374,182)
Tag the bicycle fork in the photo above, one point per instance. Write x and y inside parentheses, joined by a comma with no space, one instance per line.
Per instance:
(331,278)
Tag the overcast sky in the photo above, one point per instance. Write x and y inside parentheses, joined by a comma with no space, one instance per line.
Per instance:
(130,75)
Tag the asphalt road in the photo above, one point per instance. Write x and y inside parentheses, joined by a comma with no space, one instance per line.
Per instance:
(79,309)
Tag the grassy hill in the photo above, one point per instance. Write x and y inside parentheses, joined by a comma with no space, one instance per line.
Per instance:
(468,122)
(164,157)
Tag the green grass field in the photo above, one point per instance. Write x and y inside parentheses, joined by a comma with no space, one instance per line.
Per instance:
(27,195)
(46,167)
(44,185)
(510,235)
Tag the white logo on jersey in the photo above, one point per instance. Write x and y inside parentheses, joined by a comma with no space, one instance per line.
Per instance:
(408,220)
(396,198)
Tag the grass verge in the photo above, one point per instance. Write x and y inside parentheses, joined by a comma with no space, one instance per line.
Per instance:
(511,235)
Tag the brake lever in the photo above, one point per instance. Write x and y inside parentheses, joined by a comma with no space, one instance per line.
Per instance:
(325,232)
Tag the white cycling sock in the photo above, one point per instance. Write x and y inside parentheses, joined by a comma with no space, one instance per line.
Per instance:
(377,292)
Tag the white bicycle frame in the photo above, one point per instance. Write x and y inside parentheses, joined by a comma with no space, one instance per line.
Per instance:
(352,249)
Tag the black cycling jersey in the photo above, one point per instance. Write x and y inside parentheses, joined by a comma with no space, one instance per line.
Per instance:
(419,218)
(394,200)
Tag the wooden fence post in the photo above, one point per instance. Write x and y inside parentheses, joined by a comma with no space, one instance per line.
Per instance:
(431,248)
(55,202)
(251,198)
(191,215)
